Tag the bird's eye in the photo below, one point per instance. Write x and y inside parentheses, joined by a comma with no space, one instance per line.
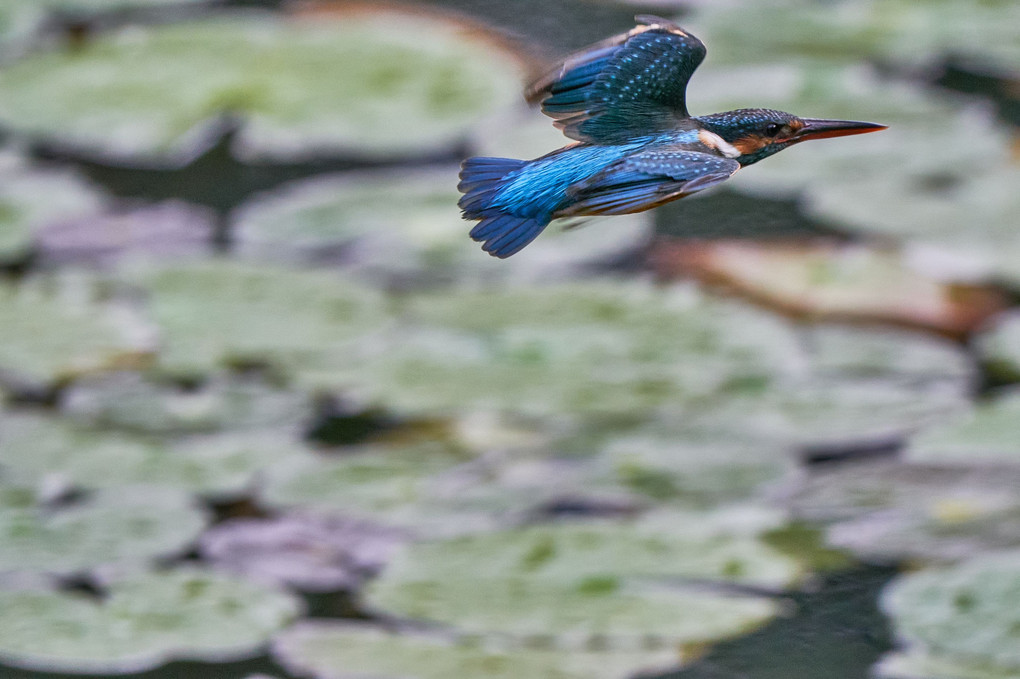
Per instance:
(772,129)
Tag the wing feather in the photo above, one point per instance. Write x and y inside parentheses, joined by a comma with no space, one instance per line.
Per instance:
(630,85)
(647,179)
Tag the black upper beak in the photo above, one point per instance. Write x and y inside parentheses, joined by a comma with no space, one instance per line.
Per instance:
(819,128)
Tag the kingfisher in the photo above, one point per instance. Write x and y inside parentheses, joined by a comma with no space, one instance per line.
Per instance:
(623,101)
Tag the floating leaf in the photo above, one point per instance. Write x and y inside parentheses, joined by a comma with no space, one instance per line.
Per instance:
(919,664)
(31,199)
(666,547)
(354,220)
(311,553)
(695,464)
(582,348)
(410,84)
(170,229)
(399,485)
(965,613)
(601,608)
(129,525)
(825,281)
(899,31)
(573,582)
(129,401)
(218,313)
(337,650)
(38,352)
(143,621)
(893,511)
(988,434)
(41,449)
(840,414)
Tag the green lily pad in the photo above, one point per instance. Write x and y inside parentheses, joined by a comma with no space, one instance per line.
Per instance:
(129,525)
(682,462)
(218,313)
(666,547)
(476,594)
(999,347)
(423,488)
(892,511)
(410,84)
(130,402)
(338,650)
(613,347)
(965,613)
(142,622)
(988,434)
(39,353)
(41,449)
(31,199)
(897,31)
(918,664)
(841,414)
(355,221)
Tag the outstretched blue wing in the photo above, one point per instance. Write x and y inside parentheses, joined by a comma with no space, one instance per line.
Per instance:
(647,179)
(630,85)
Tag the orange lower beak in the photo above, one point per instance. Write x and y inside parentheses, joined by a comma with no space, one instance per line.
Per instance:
(819,128)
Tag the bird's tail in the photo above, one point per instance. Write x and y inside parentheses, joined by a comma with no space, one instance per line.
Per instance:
(500,232)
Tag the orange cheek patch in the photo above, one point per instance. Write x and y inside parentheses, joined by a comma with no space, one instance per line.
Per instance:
(750,144)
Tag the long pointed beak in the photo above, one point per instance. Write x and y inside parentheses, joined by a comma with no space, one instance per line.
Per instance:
(819,128)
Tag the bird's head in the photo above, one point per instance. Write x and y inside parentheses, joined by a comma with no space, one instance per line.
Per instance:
(758,133)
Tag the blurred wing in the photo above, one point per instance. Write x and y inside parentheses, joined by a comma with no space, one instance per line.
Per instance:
(648,179)
(629,85)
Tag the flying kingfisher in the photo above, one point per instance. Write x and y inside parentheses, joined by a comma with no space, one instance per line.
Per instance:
(624,101)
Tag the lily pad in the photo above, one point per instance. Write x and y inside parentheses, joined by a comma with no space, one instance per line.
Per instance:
(355,221)
(898,31)
(672,546)
(988,434)
(219,314)
(682,462)
(337,650)
(825,281)
(143,621)
(534,595)
(309,552)
(965,613)
(613,347)
(841,414)
(41,449)
(126,526)
(31,199)
(891,511)
(919,664)
(170,229)
(410,84)
(130,402)
(39,353)
(417,487)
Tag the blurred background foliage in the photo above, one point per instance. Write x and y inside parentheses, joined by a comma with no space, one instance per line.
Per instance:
(267,411)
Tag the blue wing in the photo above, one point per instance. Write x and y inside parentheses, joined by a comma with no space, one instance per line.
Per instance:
(630,85)
(647,179)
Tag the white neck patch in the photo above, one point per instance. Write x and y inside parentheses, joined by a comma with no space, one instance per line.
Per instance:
(714,141)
